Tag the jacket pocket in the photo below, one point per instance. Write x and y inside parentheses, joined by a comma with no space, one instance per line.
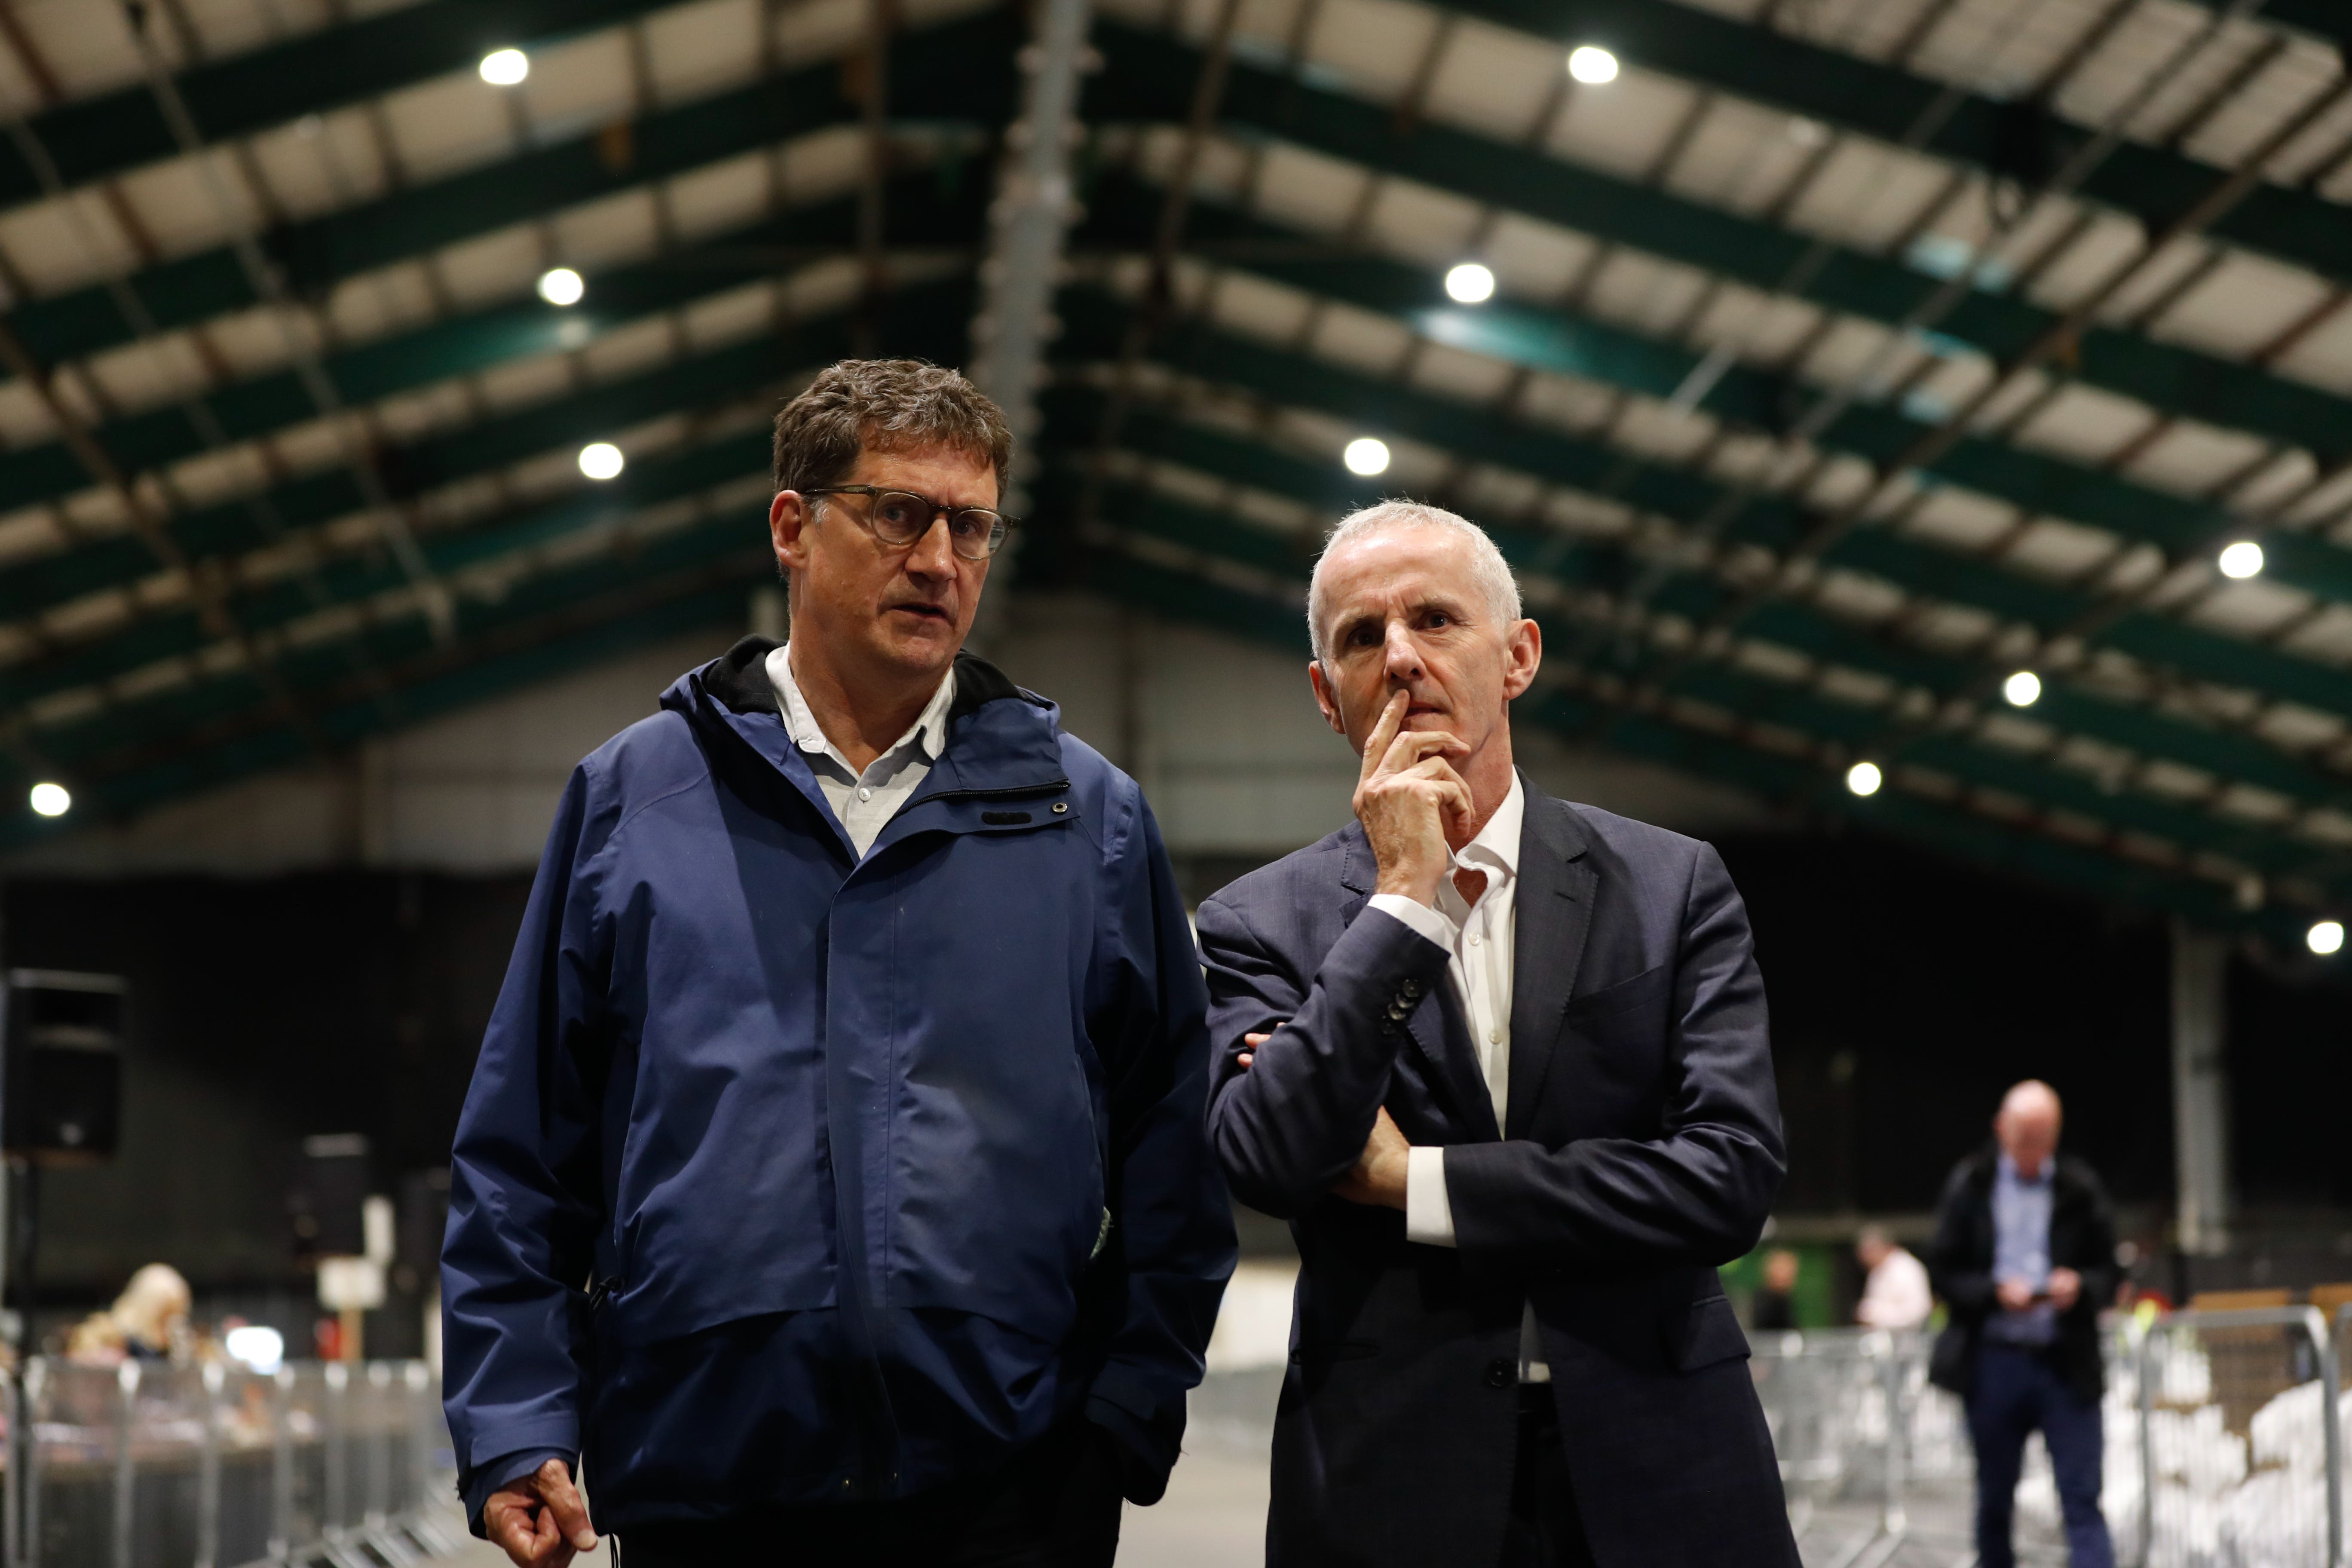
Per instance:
(1621,996)
(1706,1332)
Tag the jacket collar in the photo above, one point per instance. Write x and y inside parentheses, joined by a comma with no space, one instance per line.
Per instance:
(1001,738)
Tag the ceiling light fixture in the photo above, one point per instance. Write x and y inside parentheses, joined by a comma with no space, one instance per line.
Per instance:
(51,799)
(562,286)
(1470,283)
(1367,455)
(2325,937)
(2242,560)
(1864,778)
(601,460)
(1591,65)
(505,67)
(2023,689)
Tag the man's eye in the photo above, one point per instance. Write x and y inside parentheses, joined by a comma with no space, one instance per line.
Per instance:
(896,512)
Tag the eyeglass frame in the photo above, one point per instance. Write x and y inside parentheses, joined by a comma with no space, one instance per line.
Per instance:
(997,536)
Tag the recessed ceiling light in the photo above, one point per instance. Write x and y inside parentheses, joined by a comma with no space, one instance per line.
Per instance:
(1864,778)
(2325,937)
(2243,559)
(1470,284)
(562,286)
(602,460)
(51,799)
(505,67)
(1591,65)
(1367,455)
(2023,689)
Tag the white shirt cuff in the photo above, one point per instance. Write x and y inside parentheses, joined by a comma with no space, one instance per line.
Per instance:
(1428,1217)
(1422,920)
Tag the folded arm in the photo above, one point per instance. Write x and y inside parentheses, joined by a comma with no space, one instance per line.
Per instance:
(1295,1123)
(1698,1191)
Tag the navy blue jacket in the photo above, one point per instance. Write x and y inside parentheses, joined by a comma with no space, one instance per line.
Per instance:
(788,1177)
(1642,1148)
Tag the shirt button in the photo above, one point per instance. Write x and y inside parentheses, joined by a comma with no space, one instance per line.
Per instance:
(865,794)
(1495,1037)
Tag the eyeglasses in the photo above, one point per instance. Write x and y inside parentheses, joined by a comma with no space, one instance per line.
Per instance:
(902,517)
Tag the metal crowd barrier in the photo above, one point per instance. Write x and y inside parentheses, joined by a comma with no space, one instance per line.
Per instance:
(2225,1445)
(151,1465)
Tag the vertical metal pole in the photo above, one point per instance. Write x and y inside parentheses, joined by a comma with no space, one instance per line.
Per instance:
(12,1497)
(339,1499)
(1892,1520)
(2147,1363)
(2331,1431)
(208,1470)
(36,1380)
(2200,1087)
(126,1475)
(281,1469)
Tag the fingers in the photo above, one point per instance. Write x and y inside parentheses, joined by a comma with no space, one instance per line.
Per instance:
(1384,732)
(1416,746)
(1245,1058)
(1253,1041)
(564,1505)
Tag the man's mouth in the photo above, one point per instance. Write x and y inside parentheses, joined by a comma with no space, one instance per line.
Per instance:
(933,612)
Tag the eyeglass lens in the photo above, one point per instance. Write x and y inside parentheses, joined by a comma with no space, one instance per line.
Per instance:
(901,518)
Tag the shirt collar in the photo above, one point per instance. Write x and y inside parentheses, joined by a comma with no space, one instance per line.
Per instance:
(2010,1173)
(929,730)
(1496,848)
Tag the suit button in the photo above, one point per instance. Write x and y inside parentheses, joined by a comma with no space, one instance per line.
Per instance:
(1502,1373)
(1411,987)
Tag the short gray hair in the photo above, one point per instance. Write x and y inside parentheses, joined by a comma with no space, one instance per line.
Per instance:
(1487,567)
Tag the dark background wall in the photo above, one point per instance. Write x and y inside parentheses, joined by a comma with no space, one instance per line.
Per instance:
(1907,994)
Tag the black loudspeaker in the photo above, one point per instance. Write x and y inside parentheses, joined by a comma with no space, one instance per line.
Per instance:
(330,1196)
(61,1097)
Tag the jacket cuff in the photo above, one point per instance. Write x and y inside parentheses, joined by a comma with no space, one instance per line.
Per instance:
(1148,1432)
(1430,924)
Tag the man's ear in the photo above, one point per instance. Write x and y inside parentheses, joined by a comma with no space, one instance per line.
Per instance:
(1522,657)
(1327,700)
(791,517)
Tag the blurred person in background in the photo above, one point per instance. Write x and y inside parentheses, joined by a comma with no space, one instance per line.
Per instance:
(1774,1311)
(2024,1256)
(1503,1062)
(1895,1292)
(149,1322)
(832,1185)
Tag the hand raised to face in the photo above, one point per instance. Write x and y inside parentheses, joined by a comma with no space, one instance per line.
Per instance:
(1409,798)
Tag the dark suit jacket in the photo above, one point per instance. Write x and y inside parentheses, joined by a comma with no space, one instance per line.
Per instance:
(1643,1148)
(1960,1262)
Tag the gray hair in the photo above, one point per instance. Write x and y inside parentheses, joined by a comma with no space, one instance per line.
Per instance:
(1488,568)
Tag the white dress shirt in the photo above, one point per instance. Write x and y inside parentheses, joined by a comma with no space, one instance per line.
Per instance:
(865,801)
(1897,1295)
(1479,937)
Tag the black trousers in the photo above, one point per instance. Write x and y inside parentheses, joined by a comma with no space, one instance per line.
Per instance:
(1543,1530)
(1057,1505)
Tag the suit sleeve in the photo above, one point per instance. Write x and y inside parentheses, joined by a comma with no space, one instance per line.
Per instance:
(525,1188)
(1292,1124)
(1698,1191)
(2096,1264)
(1173,1226)
(1965,1288)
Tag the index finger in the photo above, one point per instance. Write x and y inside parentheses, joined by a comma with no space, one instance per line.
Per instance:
(563,1503)
(1384,732)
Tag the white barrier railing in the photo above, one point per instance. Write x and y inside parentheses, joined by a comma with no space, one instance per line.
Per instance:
(152,1466)
(2224,1437)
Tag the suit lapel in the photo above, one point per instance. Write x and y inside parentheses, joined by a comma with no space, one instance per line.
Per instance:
(1557,883)
(1452,1059)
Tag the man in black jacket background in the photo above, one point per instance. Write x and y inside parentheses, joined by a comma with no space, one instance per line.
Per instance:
(2024,1256)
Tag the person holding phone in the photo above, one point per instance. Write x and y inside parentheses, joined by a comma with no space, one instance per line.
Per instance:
(2024,1256)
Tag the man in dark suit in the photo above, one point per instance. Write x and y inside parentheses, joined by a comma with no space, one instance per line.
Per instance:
(2024,1256)
(1502,1061)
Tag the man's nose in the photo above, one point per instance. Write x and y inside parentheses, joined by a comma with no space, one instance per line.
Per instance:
(932,555)
(1404,654)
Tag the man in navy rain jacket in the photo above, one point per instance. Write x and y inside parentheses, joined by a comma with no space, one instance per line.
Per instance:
(832,1185)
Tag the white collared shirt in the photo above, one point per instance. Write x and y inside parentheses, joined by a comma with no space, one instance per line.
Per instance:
(1480,939)
(865,801)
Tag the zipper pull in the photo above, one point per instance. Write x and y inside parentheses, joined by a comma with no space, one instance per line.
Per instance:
(601,1291)
(1102,1236)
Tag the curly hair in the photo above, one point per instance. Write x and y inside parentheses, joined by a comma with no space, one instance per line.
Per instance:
(888,404)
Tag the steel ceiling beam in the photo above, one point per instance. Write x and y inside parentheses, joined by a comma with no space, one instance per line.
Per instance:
(928,321)
(938,74)
(1144,81)
(1593,566)
(313,73)
(2153,184)
(1474,434)
(268,403)
(1957,834)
